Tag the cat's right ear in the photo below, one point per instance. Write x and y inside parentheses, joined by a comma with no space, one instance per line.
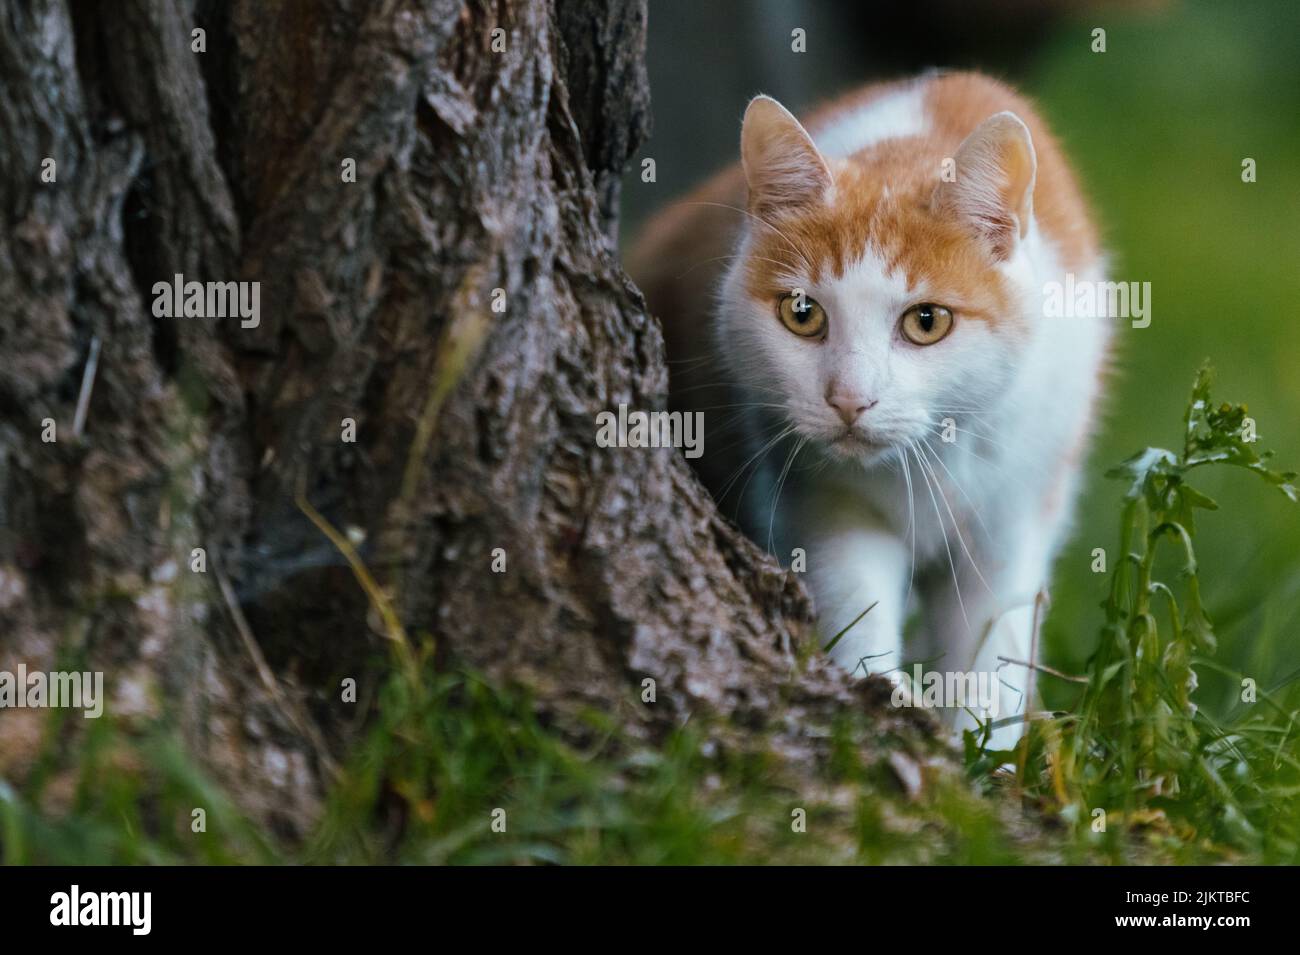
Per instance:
(783,168)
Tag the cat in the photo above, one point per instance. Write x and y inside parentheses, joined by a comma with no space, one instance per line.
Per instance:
(858,308)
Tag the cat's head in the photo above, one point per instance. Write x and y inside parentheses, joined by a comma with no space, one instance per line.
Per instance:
(872,297)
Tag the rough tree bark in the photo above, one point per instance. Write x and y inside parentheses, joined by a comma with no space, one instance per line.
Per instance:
(484,173)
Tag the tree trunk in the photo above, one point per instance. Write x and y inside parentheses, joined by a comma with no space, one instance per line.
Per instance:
(461,301)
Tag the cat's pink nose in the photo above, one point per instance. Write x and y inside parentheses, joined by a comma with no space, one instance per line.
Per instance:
(850,407)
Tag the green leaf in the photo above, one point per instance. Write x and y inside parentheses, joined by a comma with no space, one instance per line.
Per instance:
(1216,435)
(1142,468)
(1195,623)
(853,623)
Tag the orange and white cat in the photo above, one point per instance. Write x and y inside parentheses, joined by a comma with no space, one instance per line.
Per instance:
(858,308)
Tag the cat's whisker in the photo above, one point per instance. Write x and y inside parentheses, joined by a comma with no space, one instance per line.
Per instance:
(980,427)
(697,360)
(727,426)
(780,483)
(952,566)
(742,404)
(961,538)
(723,384)
(801,253)
(993,464)
(740,500)
(911,526)
(960,490)
(726,488)
(724,258)
(947,433)
(738,412)
(983,437)
(764,431)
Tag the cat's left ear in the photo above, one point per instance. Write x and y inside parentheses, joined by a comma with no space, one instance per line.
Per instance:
(994,187)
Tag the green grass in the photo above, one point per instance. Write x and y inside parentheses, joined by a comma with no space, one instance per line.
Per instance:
(1134,752)
(446,751)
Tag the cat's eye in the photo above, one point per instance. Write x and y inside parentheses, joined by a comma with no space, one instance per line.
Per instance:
(803,316)
(925,324)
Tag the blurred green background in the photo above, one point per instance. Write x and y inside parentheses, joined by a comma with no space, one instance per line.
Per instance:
(1157,127)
